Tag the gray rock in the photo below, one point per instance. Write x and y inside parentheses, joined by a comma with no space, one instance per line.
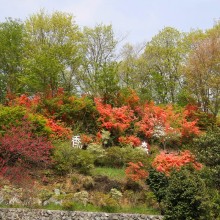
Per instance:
(57,192)
(14,201)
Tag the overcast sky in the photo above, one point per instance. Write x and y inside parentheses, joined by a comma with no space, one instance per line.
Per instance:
(140,20)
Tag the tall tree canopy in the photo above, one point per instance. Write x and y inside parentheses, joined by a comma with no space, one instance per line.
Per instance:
(163,58)
(52,52)
(98,72)
(203,71)
(11,47)
(48,51)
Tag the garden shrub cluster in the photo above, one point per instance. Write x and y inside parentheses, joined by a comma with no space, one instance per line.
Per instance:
(179,170)
(180,188)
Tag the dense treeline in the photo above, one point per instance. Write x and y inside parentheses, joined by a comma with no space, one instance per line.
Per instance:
(49,51)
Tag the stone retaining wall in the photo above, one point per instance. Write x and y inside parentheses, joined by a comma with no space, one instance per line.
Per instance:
(39,214)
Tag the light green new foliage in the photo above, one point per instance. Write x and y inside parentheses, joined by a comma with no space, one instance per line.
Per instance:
(67,159)
(163,56)
(98,73)
(11,47)
(51,51)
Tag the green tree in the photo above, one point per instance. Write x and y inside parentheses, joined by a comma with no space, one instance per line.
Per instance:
(98,74)
(158,183)
(186,196)
(51,52)
(163,55)
(202,71)
(11,47)
(207,148)
(129,66)
(133,71)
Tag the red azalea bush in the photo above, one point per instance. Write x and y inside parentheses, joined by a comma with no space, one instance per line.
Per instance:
(136,171)
(29,102)
(151,116)
(189,128)
(166,162)
(149,121)
(114,118)
(86,139)
(126,123)
(58,130)
(20,148)
(132,140)
(128,97)
(165,124)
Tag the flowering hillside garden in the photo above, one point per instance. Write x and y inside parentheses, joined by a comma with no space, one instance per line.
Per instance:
(124,125)
(85,128)
(134,135)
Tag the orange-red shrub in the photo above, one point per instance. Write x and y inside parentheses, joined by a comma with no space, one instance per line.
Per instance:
(86,139)
(166,162)
(136,171)
(114,118)
(58,130)
(132,140)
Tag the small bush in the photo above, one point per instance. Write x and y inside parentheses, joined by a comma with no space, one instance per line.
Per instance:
(134,186)
(68,205)
(104,201)
(64,157)
(88,183)
(84,161)
(10,115)
(119,156)
(137,198)
(81,197)
(104,184)
(45,195)
(98,153)
(136,171)
(114,157)
(21,149)
(116,194)
(68,158)
(136,155)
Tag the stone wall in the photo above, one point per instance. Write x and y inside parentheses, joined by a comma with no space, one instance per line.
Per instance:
(39,214)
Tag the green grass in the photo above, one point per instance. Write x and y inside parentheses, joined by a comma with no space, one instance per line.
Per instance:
(112,173)
(141,209)
(133,210)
